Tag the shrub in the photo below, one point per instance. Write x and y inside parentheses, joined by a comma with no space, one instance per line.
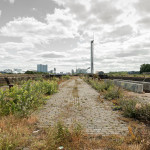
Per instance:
(67,77)
(113,93)
(20,100)
(60,135)
(128,107)
(134,109)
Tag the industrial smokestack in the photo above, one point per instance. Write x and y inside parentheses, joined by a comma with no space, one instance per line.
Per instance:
(92,57)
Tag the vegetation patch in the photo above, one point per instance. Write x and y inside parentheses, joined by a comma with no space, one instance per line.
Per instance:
(67,77)
(134,109)
(16,132)
(75,90)
(130,107)
(22,99)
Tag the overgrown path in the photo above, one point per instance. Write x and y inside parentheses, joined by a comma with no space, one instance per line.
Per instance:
(77,102)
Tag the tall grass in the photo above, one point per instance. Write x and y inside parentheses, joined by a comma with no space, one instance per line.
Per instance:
(134,109)
(66,77)
(100,86)
(108,89)
(21,99)
(62,136)
(16,132)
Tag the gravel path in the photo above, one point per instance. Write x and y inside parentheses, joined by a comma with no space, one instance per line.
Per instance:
(76,101)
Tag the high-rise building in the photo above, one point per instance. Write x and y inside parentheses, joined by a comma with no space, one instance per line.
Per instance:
(42,68)
(72,71)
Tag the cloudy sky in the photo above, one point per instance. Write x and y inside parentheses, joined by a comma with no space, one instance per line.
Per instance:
(58,33)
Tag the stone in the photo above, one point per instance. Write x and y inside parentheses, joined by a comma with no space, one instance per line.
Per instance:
(134,87)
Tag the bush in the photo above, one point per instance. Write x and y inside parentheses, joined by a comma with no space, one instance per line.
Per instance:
(29,96)
(134,109)
(128,107)
(113,93)
(62,136)
(67,77)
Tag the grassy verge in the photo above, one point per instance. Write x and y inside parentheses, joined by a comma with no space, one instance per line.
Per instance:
(16,124)
(139,138)
(130,107)
(17,133)
(108,89)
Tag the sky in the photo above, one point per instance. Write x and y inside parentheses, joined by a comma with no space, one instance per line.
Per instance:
(58,33)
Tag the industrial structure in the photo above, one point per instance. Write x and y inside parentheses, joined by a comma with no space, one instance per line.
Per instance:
(92,57)
(54,70)
(42,68)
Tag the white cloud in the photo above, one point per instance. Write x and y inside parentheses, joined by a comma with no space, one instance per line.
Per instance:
(121,35)
(11,1)
(58,26)
(143,6)
(0,13)
(53,54)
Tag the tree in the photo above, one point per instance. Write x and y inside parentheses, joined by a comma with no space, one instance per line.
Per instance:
(145,68)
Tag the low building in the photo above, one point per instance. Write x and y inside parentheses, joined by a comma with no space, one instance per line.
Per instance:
(17,71)
(8,71)
(81,71)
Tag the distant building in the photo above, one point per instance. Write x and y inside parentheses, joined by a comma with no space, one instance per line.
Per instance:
(82,71)
(17,71)
(42,68)
(133,72)
(72,71)
(100,72)
(51,71)
(8,71)
(68,73)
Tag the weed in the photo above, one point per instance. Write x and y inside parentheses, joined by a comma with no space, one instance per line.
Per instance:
(21,100)
(15,132)
(60,135)
(100,86)
(134,109)
(67,77)
(113,93)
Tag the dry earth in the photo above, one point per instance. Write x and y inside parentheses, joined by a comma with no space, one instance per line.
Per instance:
(78,102)
(141,97)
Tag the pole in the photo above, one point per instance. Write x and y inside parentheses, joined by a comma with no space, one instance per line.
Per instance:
(92,58)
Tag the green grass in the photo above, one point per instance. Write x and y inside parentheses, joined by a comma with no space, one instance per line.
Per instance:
(99,85)
(67,77)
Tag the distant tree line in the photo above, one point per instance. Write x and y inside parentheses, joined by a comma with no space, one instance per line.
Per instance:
(33,72)
(145,68)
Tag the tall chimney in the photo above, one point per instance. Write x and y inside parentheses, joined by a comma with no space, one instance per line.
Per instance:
(92,58)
